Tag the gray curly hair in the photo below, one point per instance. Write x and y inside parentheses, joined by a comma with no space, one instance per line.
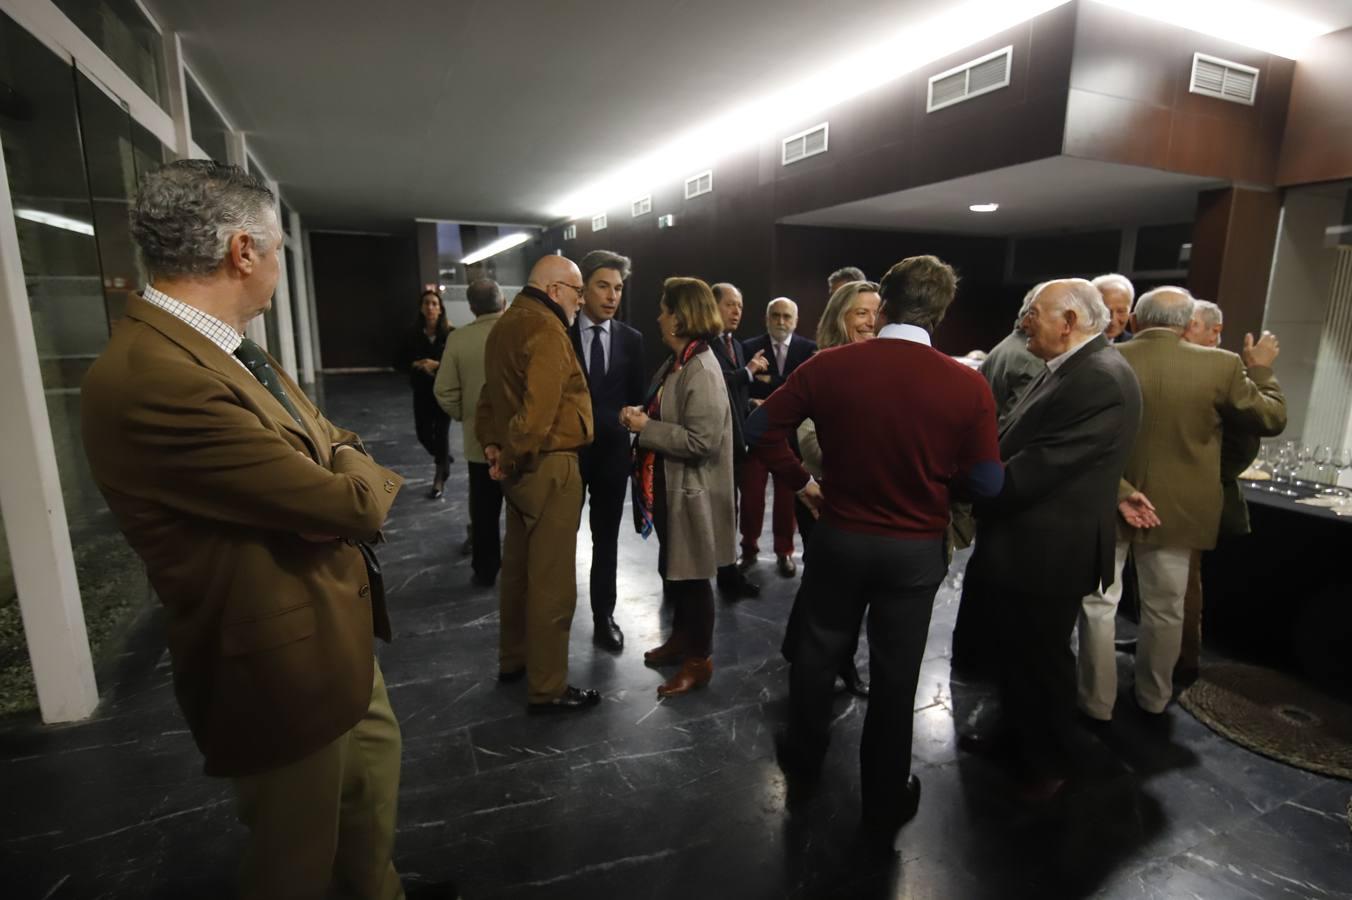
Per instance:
(186,212)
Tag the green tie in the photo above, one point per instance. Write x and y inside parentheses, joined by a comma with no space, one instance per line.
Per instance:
(256,361)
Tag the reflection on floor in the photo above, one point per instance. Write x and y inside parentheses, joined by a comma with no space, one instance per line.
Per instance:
(646,800)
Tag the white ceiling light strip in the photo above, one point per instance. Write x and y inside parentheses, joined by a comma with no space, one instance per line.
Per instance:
(1262,26)
(52,219)
(503,243)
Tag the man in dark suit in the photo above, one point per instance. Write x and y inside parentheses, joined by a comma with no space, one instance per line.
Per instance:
(739,372)
(612,357)
(1048,538)
(785,351)
(244,502)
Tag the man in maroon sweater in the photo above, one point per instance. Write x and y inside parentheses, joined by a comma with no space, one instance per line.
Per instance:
(902,429)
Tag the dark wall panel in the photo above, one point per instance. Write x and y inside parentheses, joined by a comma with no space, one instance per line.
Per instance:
(366,294)
(1129,100)
(1318,141)
(1233,240)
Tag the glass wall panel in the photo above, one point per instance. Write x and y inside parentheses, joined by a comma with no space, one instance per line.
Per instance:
(64,235)
(208,128)
(122,31)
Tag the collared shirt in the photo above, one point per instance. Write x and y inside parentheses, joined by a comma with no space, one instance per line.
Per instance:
(1058,361)
(780,349)
(210,327)
(585,332)
(902,332)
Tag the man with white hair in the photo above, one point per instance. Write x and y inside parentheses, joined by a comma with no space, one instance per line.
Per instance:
(1010,368)
(1118,293)
(1189,393)
(785,351)
(1048,538)
(1205,326)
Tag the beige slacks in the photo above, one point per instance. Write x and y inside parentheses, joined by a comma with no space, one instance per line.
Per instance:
(323,826)
(538,586)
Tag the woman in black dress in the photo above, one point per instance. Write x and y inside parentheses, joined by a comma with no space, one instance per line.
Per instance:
(422,357)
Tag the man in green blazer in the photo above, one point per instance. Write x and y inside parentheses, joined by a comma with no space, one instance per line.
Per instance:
(1190,394)
(244,502)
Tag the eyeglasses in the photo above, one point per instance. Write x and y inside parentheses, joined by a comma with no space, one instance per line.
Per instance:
(577,287)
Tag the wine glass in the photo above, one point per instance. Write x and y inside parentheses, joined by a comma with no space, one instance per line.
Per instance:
(1303,454)
(1342,461)
(1323,455)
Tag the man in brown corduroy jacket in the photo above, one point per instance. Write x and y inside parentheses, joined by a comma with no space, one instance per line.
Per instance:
(534,414)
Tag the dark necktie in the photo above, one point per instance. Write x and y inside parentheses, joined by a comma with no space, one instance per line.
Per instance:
(732,355)
(256,361)
(596,369)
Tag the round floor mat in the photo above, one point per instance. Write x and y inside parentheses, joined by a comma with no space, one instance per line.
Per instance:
(1275,715)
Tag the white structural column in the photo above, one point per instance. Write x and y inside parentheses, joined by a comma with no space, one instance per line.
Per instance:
(178,94)
(30,497)
(285,351)
(301,292)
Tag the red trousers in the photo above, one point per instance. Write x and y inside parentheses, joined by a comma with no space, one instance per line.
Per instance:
(754,478)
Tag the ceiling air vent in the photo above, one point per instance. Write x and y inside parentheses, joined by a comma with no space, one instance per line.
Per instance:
(805,143)
(642,206)
(971,79)
(1223,79)
(569,232)
(702,183)
(599,222)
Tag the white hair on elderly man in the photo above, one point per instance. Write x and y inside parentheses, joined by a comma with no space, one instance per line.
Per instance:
(1091,313)
(1207,312)
(1114,280)
(1164,307)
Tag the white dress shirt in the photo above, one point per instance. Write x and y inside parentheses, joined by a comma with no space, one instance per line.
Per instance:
(585,332)
(901,332)
(1057,362)
(210,327)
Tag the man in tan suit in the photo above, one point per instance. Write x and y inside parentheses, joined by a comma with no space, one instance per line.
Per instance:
(1189,393)
(244,502)
(460,381)
(534,414)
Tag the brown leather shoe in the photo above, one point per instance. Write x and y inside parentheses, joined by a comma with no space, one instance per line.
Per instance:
(695,672)
(668,654)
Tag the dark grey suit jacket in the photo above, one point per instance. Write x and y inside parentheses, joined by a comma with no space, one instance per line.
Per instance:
(1065,444)
(1009,369)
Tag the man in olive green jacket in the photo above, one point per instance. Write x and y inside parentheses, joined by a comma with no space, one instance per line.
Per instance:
(460,381)
(533,416)
(1189,394)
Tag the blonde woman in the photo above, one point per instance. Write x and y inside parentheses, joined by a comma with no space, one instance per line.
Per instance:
(683,477)
(849,318)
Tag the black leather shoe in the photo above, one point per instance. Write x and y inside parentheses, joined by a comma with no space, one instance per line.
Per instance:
(513,675)
(887,821)
(787,567)
(435,492)
(997,745)
(467,548)
(571,700)
(607,635)
(854,683)
(416,888)
(1125,645)
(795,762)
(738,588)
(747,561)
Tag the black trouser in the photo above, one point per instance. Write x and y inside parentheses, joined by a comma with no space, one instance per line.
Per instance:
(806,523)
(729,576)
(976,633)
(692,621)
(433,427)
(485,509)
(846,575)
(1037,678)
(606,467)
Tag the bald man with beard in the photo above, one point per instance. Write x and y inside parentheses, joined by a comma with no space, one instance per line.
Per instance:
(534,414)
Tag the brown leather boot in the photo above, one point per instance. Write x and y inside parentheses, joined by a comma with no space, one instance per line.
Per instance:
(669,653)
(695,672)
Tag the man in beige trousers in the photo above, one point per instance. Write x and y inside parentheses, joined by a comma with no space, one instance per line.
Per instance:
(534,414)
(1188,393)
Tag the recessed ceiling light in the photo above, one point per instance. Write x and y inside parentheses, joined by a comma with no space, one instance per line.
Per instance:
(984,207)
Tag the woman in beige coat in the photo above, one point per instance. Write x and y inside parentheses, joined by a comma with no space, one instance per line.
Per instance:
(683,477)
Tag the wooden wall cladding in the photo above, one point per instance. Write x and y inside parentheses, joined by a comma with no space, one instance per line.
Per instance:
(1318,142)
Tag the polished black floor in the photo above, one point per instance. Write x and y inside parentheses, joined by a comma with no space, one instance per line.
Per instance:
(641,799)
